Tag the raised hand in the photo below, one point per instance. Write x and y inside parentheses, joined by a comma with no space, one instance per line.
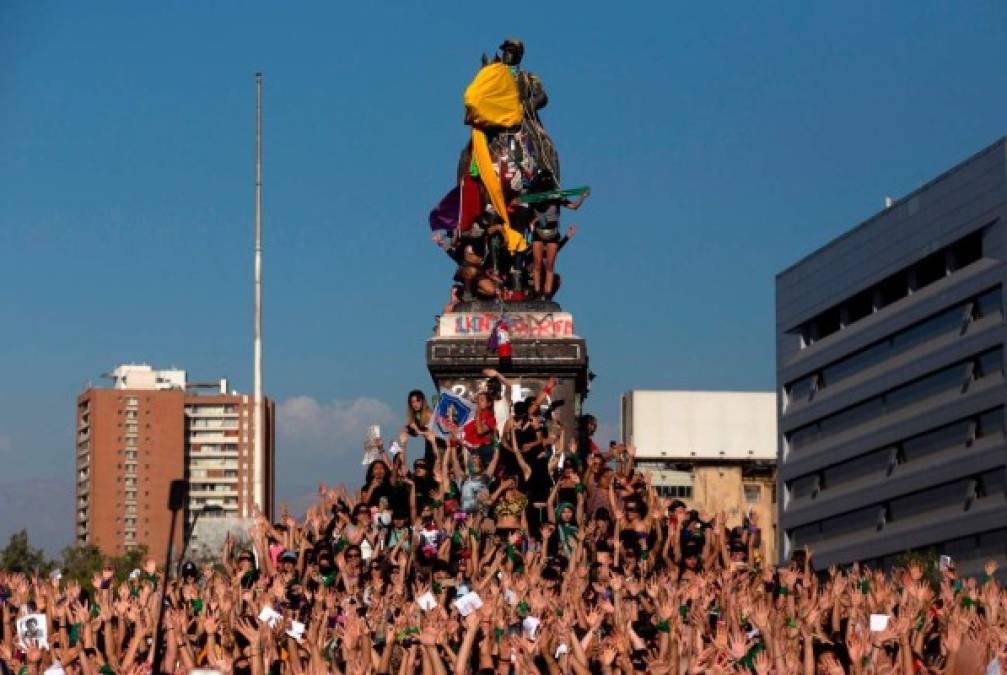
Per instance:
(737,645)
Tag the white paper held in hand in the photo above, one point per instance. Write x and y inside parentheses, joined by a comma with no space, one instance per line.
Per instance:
(296,630)
(33,629)
(427,601)
(270,616)
(468,603)
(879,622)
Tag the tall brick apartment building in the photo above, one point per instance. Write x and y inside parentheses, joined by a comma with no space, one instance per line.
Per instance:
(149,428)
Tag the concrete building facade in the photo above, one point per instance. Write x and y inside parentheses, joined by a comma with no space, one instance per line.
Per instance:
(714,450)
(149,428)
(890,379)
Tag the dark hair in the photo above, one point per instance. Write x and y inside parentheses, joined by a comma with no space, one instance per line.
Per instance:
(370,471)
(421,417)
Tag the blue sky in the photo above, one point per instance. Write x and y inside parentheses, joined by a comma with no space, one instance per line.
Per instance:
(722,142)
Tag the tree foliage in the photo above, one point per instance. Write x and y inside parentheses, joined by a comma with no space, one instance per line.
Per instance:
(78,563)
(131,560)
(19,556)
(81,563)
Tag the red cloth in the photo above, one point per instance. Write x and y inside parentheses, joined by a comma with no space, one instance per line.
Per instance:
(472,203)
(475,439)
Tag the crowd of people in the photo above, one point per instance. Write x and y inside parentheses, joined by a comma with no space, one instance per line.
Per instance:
(513,546)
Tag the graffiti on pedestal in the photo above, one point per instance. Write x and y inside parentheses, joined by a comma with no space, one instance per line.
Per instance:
(521,325)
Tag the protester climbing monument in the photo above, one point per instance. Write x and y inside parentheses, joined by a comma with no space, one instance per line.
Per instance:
(500,225)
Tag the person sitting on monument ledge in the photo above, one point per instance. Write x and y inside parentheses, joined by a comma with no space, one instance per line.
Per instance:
(468,253)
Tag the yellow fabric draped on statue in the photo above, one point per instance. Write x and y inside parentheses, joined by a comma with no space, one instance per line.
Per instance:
(490,180)
(492,99)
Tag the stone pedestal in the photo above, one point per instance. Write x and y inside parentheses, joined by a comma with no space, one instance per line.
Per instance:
(544,345)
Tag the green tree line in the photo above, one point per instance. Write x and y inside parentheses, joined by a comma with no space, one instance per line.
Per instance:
(79,563)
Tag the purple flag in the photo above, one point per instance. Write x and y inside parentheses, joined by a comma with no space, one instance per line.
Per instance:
(445,215)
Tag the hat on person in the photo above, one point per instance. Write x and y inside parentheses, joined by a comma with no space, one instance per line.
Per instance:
(288,556)
(189,569)
(512,43)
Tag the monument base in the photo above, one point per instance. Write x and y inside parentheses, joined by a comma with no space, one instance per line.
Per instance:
(543,345)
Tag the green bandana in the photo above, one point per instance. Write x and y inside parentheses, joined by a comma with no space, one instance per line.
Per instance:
(74,634)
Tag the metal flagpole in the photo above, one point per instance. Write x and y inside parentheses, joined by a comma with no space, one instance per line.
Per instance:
(258,476)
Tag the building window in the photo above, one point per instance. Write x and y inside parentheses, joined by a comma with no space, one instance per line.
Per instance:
(943,383)
(678,491)
(753,493)
(930,269)
(952,321)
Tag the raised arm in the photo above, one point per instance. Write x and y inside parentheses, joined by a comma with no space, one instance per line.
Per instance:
(492,468)
(542,396)
(519,456)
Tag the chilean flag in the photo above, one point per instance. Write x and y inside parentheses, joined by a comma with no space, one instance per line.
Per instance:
(500,339)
